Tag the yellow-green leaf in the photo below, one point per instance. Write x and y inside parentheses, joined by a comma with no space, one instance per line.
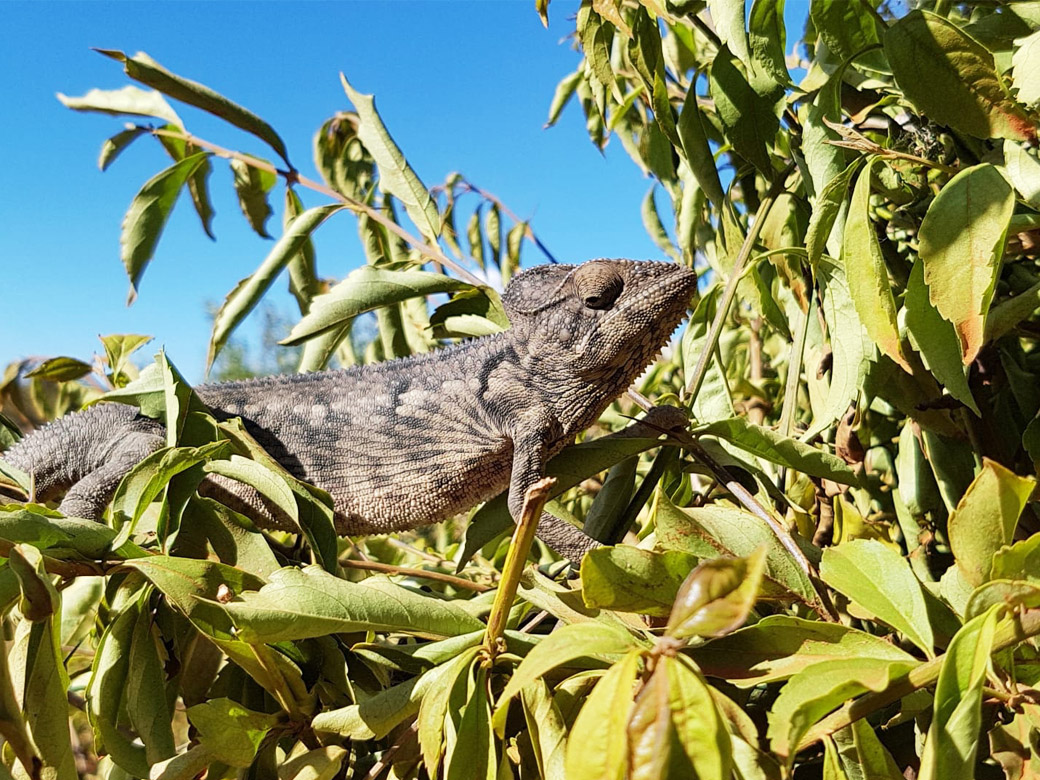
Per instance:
(597,747)
(867,274)
(962,245)
(984,519)
(953,738)
(951,78)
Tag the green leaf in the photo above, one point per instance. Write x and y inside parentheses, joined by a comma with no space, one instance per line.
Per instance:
(820,688)
(395,174)
(655,227)
(252,184)
(1023,169)
(962,245)
(129,100)
(717,597)
(60,369)
(780,646)
(190,585)
(713,530)
(145,481)
(303,276)
(985,518)
(1003,317)
(438,685)
(628,579)
(147,706)
(297,604)
(38,673)
(1025,71)
(748,118)
(106,691)
(472,312)
(547,729)
(562,96)
(783,450)
(249,291)
(112,147)
(610,507)
(847,29)
(324,763)
(62,537)
(826,208)
(118,349)
(728,18)
(267,482)
(597,748)
(366,289)
(230,731)
(690,127)
(767,36)
(143,68)
(675,729)
(879,580)
(867,274)
(936,339)
(233,537)
(559,648)
(1021,560)
(863,755)
(953,737)
(473,757)
(851,347)
(40,598)
(147,215)
(951,78)
(1005,593)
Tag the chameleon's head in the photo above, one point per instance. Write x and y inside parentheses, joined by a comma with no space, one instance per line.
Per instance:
(605,319)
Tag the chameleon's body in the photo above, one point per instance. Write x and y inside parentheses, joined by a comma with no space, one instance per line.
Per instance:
(416,440)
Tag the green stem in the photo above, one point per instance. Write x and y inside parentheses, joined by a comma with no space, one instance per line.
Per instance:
(516,559)
(1009,633)
(694,385)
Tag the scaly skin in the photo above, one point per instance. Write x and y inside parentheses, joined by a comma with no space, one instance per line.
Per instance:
(413,441)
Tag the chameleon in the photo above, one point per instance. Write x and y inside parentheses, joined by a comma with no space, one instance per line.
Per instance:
(418,439)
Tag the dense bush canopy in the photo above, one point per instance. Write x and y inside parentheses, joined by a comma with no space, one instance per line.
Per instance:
(833,574)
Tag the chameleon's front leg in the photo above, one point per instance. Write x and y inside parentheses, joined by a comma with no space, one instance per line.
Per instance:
(529,458)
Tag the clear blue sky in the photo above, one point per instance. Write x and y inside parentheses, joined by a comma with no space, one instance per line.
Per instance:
(461,85)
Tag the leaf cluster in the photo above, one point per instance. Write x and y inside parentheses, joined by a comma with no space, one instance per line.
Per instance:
(833,572)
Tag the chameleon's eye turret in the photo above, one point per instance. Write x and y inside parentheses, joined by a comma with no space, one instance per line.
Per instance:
(598,286)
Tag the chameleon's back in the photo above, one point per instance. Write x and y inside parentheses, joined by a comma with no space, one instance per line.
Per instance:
(397,444)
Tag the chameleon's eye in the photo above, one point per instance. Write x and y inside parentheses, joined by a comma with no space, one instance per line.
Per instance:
(598,286)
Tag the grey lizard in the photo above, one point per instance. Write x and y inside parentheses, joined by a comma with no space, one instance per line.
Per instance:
(415,440)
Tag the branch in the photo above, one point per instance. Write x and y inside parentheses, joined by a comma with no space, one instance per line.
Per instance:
(293,177)
(516,558)
(694,385)
(1009,633)
(388,568)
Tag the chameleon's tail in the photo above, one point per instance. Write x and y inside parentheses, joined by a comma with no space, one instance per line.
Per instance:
(85,454)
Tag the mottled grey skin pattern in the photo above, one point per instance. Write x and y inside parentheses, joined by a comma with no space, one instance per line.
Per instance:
(413,441)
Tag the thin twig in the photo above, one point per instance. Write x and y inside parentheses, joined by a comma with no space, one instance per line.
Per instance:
(389,568)
(293,177)
(528,232)
(694,385)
